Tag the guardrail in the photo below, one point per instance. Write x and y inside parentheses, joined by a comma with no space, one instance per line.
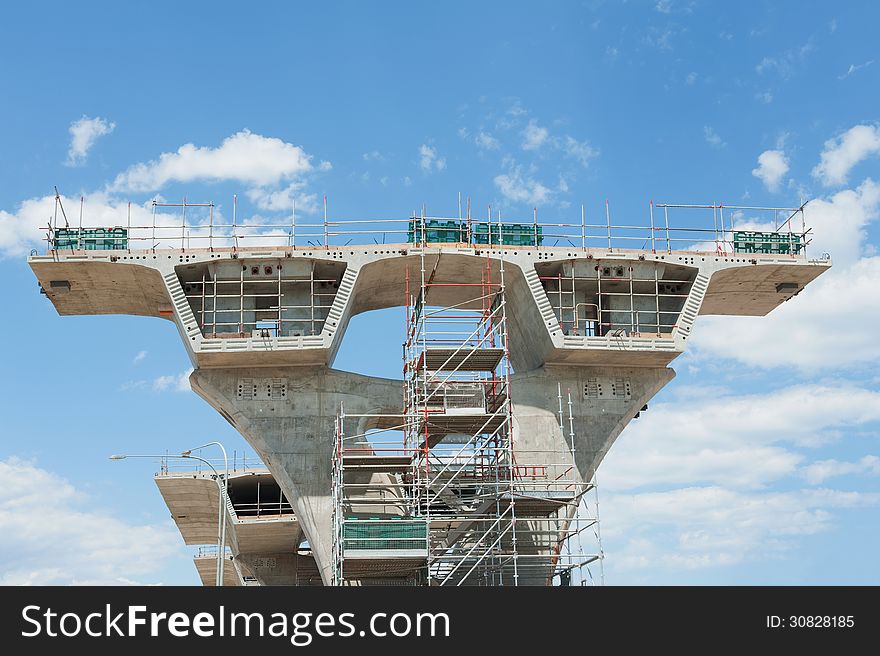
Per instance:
(730,229)
(172,465)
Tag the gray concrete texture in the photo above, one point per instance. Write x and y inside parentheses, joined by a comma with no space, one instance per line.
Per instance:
(610,377)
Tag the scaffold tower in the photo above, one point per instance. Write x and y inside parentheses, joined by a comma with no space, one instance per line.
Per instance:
(440,495)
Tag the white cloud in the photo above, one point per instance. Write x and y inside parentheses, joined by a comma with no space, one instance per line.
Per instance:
(664,6)
(691,79)
(534,136)
(712,137)
(717,454)
(276,171)
(772,167)
(244,157)
(429,160)
(83,135)
(843,152)
(832,325)
(853,68)
(281,200)
(486,141)
(785,64)
(373,156)
(734,440)
(582,151)
(701,527)
(516,109)
(765,97)
(839,221)
(519,187)
(174,383)
(25,228)
(660,38)
(820,471)
(50,535)
(139,357)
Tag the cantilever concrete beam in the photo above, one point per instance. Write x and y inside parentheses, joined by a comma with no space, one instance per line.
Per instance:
(104,282)
(264,548)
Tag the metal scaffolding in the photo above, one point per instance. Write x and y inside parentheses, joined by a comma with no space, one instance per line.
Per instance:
(640,298)
(276,297)
(440,495)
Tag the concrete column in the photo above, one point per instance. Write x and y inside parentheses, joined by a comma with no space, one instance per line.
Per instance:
(294,435)
(604,401)
(280,568)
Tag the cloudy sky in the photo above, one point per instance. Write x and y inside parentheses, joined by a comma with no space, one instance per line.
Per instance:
(759,463)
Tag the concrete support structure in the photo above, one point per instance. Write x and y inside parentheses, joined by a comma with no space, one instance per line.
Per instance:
(264,535)
(262,327)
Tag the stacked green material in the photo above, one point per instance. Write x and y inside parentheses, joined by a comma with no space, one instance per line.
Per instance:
(384,533)
(436,231)
(91,239)
(451,232)
(770,243)
(507,234)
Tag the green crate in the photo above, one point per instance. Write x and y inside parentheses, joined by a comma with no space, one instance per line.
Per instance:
(768,243)
(436,231)
(450,232)
(507,234)
(91,239)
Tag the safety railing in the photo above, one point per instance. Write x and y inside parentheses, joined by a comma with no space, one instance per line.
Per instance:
(172,465)
(714,228)
(210,551)
(262,509)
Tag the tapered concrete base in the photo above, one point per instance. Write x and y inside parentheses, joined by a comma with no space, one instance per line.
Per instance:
(293,431)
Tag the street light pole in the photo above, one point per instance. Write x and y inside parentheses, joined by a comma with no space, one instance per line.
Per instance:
(224,497)
(221,525)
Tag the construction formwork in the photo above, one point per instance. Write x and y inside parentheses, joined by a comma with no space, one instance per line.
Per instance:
(440,495)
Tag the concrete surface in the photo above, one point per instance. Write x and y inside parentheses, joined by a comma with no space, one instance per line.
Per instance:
(293,433)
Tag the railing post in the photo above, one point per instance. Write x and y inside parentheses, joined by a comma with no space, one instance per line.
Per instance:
(535,221)
(234,212)
(715,225)
(653,246)
(803,236)
(583,230)
(608,220)
(666,215)
(723,235)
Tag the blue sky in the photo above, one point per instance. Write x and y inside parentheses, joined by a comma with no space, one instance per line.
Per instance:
(758,464)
